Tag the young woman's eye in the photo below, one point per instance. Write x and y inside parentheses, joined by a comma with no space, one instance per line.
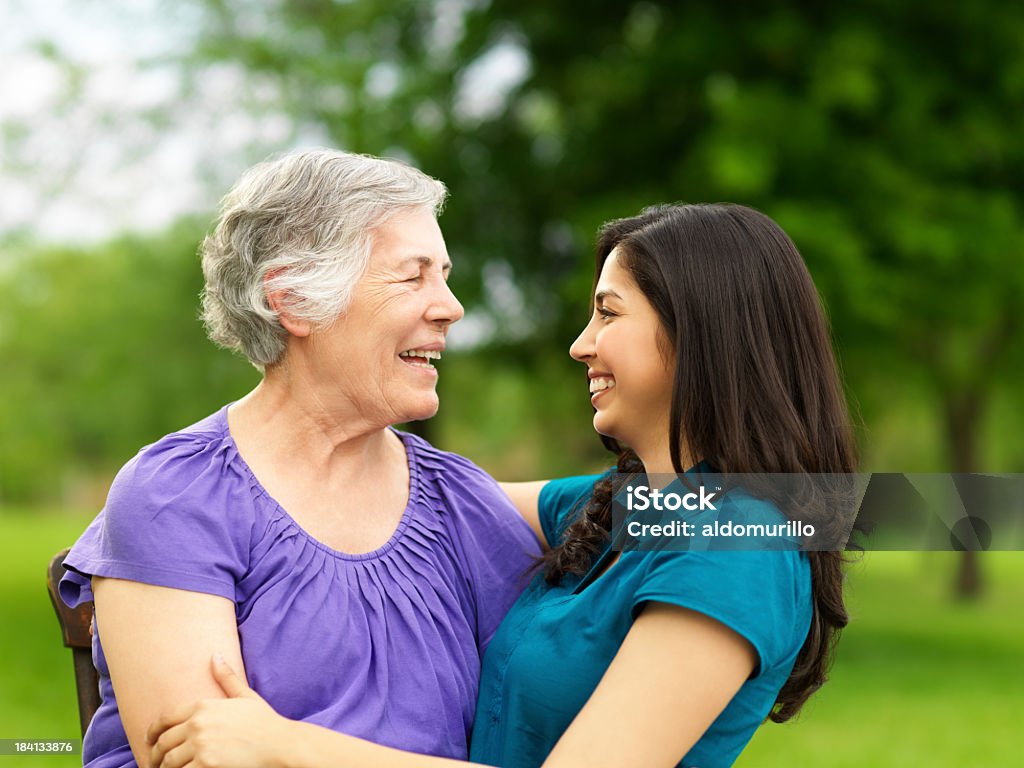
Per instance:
(605,313)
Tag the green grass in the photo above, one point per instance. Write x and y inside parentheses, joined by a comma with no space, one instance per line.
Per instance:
(920,679)
(37,689)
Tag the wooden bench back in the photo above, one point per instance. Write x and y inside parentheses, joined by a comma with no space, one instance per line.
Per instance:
(75,624)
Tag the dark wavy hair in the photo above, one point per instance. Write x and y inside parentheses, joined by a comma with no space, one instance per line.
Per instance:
(756,386)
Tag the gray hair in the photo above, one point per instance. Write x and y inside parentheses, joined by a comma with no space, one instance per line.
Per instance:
(301,224)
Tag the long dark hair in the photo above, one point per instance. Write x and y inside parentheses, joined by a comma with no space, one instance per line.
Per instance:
(756,385)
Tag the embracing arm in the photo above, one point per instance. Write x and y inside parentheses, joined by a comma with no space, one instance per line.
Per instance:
(158,642)
(674,674)
(525,496)
(244,732)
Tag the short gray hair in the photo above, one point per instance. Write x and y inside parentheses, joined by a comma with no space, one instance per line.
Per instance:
(300,224)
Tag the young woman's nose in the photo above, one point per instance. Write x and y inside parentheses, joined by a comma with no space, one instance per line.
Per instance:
(583,348)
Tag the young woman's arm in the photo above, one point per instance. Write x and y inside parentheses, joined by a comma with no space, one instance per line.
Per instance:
(674,674)
(244,732)
(157,643)
(525,496)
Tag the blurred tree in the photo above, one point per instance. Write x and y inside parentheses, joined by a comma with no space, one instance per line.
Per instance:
(108,353)
(885,140)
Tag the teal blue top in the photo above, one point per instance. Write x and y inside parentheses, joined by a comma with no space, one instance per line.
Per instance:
(556,642)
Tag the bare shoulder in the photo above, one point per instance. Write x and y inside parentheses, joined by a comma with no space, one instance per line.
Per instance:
(158,642)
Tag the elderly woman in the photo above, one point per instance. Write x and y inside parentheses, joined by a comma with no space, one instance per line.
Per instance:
(354,572)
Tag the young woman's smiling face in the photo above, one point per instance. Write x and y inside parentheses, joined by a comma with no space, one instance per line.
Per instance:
(630,377)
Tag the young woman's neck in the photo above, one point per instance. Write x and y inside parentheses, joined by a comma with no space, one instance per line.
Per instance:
(656,456)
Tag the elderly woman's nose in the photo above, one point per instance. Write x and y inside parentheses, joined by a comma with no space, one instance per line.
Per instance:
(446,308)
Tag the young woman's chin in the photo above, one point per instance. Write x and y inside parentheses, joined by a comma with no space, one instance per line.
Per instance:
(603,425)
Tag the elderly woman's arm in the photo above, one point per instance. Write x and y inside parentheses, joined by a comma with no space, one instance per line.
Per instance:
(157,643)
(660,701)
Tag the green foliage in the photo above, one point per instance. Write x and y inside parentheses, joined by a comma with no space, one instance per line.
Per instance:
(884,139)
(107,353)
(516,426)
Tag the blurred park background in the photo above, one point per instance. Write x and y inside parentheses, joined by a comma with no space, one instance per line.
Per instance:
(884,136)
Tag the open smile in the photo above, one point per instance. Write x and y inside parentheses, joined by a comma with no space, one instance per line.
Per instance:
(420,358)
(600,385)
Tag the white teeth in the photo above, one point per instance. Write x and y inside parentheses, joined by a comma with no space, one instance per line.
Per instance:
(429,354)
(601,383)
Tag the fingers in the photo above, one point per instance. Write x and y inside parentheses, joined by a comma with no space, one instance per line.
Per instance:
(169,720)
(179,757)
(230,681)
(172,749)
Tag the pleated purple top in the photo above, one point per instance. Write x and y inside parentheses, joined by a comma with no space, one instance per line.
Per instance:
(384,645)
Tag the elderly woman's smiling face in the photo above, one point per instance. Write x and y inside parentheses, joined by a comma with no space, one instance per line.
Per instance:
(378,354)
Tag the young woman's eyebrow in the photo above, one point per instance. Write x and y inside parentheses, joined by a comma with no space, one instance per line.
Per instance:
(600,296)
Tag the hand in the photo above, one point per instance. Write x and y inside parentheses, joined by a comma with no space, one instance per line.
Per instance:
(241,731)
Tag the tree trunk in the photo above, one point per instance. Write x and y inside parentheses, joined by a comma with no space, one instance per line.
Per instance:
(961,421)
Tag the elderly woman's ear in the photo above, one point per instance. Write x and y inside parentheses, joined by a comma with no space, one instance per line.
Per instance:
(296,326)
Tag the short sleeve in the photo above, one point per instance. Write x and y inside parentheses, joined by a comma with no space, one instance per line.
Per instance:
(763,595)
(180,515)
(497,548)
(559,500)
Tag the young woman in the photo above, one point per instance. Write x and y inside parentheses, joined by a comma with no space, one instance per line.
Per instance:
(707,349)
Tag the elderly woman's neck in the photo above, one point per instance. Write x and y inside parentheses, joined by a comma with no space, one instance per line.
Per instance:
(300,422)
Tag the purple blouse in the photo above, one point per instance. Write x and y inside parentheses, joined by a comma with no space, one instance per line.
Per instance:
(384,645)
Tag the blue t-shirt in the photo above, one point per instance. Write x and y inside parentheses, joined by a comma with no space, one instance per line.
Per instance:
(556,643)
